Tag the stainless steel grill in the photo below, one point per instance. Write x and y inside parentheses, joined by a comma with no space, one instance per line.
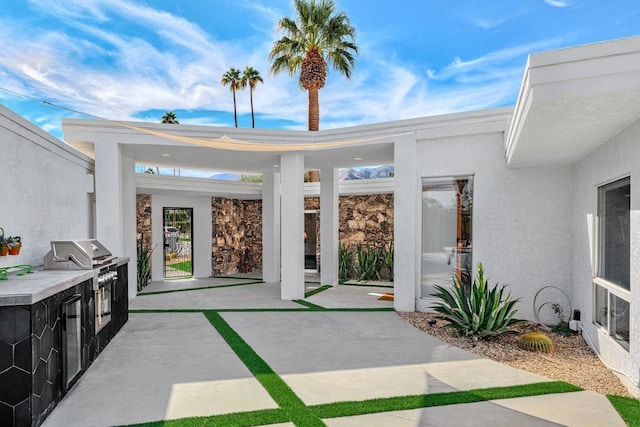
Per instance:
(77,255)
(88,255)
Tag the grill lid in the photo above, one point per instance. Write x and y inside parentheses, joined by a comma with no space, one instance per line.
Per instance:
(76,255)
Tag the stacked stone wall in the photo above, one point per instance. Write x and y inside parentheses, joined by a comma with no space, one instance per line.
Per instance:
(237,236)
(143,223)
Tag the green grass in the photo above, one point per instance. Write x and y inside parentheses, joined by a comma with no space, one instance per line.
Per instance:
(317,290)
(170,291)
(279,391)
(293,409)
(401,403)
(628,408)
(182,266)
(308,304)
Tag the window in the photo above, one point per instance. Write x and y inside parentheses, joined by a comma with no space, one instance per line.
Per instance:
(611,284)
(447,207)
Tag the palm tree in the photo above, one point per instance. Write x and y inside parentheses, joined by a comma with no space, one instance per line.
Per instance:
(233,79)
(170,118)
(251,77)
(317,37)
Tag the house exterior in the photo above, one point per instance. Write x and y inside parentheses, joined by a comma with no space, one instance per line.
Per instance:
(543,193)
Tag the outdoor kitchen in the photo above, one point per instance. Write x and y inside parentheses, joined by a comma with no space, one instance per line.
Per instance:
(54,321)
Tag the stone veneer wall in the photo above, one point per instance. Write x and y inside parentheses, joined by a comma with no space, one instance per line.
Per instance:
(237,236)
(143,225)
(361,219)
(237,227)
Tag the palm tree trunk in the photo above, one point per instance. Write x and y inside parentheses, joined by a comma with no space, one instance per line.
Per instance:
(314,109)
(235,113)
(253,120)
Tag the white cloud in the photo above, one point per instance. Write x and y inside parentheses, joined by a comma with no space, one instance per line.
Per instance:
(559,3)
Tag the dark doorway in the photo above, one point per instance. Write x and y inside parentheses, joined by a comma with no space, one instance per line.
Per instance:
(310,241)
(178,239)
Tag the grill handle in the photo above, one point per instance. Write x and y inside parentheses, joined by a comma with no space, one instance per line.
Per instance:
(69,257)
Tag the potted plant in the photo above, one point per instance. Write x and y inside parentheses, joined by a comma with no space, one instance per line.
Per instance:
(4,249)
(14,243)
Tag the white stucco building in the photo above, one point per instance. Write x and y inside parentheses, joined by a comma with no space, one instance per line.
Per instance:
(543,193)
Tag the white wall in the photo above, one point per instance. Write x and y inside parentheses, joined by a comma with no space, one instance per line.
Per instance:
(521,217)
(615,159)
(202,232)
(44,189)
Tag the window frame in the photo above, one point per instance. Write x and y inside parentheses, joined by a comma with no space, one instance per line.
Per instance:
(610,288)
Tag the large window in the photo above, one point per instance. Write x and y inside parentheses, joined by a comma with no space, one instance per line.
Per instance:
(611,284)
(447,207)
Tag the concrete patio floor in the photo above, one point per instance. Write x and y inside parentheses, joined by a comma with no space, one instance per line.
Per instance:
(168,365)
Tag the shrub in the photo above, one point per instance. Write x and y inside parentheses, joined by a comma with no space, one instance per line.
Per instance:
(476,310)
(369,262)
(345,262)
(386,252)
(143,264)
(536,341)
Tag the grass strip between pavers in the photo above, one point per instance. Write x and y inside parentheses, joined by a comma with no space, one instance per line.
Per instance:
(308,304)
(401,403)
(367,285)
(317,290)
(293,409)
(627,407)
(279,391)
(170,291)
(257,310)
(245,419)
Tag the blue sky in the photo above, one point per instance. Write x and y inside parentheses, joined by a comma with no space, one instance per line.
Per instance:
(134,60)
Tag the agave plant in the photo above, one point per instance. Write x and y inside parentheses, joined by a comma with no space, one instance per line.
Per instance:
(386,252)
(369,262)
(144,264)
(345,262)
(477,310)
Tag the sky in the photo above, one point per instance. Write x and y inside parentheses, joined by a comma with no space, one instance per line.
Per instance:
(135,60)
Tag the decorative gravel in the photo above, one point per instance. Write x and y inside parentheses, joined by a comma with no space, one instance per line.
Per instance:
(572,361)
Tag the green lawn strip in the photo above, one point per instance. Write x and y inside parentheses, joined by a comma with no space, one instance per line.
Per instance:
(367,285)
(170,291)
(627,407)
(401,403)
(317,290)
(257,310)
(279,391)
(251,418)
(308,304)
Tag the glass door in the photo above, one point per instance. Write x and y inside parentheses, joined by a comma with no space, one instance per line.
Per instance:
(71,339)
(178,238)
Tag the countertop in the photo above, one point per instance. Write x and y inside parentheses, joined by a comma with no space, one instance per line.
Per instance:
(41,284)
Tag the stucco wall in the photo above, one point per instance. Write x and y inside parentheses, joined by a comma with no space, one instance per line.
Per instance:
(521,217)
(616,159)
(44,189)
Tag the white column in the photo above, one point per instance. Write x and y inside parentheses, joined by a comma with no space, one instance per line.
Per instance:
(271,227)
(129,221)
(109,212)
(292,229)
(329,202)
(406,224)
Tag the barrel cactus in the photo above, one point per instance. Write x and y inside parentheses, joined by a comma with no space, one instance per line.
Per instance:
(536,341)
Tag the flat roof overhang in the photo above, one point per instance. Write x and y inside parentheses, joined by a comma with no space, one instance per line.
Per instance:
(160,145)
(573,100)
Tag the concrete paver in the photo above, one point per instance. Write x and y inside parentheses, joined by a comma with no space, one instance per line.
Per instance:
(173,365)
(161,367)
